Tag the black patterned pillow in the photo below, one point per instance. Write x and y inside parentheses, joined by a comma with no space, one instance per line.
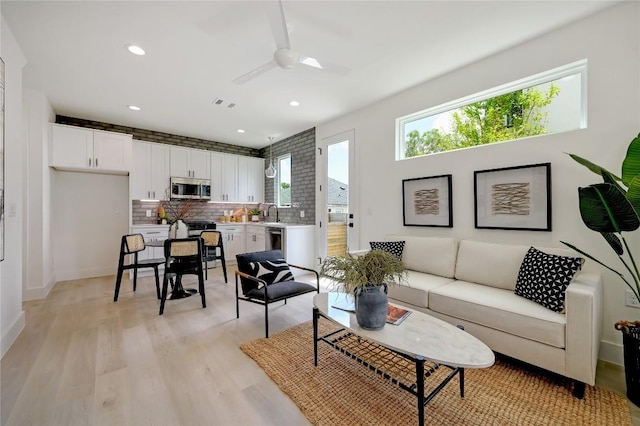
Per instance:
(393,247)
(271,271)
(545,277)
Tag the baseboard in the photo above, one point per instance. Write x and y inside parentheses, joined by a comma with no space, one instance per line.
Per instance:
(611,352)
(37,293)
(12,333)
(78,274)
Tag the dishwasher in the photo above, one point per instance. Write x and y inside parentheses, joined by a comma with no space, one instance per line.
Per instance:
(275,239)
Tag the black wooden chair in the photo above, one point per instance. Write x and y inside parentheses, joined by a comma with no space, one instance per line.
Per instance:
(265,278)
(183,257)
(132,244)
(212,241)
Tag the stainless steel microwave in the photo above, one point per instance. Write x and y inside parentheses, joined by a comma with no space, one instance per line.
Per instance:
(190,188)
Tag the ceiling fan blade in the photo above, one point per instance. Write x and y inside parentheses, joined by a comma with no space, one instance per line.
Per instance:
(256,72)
(324,65)
(275,13)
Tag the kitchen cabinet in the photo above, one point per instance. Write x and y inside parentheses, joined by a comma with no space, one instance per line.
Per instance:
(224,173)
(150,233)
(254,238)
(233,241)
(190,163)
(150,171)
(250,179)
(81,149)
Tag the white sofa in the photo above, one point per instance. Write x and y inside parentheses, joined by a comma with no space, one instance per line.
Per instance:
(471,283)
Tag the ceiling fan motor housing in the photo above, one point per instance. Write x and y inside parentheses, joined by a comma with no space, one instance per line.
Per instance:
(285,58)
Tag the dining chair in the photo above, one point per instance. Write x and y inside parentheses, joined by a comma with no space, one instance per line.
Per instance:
(183,257)
(212,241)
(133,244)
(265,278)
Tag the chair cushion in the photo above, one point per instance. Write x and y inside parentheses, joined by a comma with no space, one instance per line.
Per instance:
(280,290)
(392,247)
(544,278)
(270,271)
(244,265)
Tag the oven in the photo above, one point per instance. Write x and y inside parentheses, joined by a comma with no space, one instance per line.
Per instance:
(197,226)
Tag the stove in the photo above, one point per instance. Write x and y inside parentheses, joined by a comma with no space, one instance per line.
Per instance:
(197,226)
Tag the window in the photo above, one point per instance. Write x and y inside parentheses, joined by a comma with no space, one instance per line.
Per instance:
(283,181)
(551,102)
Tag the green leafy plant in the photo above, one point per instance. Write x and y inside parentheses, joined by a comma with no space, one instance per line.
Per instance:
(352,273)
(613,207)
(254,212)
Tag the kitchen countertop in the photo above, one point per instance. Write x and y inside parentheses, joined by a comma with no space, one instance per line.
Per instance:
(266,224)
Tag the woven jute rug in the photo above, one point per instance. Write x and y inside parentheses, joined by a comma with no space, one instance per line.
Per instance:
(340,391)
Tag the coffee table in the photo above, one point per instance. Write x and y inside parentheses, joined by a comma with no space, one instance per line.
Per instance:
(420,341)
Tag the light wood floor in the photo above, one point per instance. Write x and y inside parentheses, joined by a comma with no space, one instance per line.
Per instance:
(85,360)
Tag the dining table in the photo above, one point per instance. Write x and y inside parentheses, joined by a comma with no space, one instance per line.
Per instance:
(177,290)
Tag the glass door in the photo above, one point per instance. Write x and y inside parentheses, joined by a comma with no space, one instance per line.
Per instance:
(337,223)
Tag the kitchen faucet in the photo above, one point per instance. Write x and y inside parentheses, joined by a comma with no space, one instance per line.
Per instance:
(277,214)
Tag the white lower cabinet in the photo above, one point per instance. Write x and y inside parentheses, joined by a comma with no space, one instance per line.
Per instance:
(233,239)
(150,233)
(255,238)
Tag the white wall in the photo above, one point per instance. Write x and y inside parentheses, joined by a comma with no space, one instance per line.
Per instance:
(38,264)
(610,41)
(11,313)
(89,215)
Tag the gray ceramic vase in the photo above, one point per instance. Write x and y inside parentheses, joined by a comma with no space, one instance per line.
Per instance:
(371,307)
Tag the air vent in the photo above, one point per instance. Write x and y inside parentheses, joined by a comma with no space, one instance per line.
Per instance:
(217,101)
(231,105)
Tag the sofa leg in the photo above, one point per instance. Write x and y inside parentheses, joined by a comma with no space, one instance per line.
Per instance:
(578,389)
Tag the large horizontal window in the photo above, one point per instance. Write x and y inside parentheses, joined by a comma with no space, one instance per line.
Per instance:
(551,102)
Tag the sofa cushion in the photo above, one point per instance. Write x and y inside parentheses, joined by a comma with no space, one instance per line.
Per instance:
(435,256)
(495,265)
(499,309)
(392,247)
(417,291)
(544,278)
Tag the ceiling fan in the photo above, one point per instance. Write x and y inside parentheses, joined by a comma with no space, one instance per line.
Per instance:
(284,57)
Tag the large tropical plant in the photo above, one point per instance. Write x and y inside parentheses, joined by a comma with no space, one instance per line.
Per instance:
(612,208)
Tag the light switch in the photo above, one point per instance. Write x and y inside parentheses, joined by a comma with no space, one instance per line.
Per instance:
(148,213)
(301,213)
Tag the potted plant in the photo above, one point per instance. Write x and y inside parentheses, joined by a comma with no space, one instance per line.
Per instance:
(255,215)
(612,208)
(366,277)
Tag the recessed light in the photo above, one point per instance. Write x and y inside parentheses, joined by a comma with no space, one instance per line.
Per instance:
(240,130)
(136,50)
(294,103)
(133,107)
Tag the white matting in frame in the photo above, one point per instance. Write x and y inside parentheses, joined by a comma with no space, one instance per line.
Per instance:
(427,201)
(516,198)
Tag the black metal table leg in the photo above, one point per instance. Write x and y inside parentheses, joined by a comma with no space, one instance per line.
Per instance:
(316,314)
(461,373)
(420,388)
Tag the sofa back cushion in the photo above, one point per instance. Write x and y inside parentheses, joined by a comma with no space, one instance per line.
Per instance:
(435,256)
(495,265)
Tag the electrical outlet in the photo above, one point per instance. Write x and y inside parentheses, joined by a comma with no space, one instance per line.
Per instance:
(630,299)
(148,213)
(301,213)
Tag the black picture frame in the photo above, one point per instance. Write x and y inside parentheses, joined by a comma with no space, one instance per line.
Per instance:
(426,201)
(513,198)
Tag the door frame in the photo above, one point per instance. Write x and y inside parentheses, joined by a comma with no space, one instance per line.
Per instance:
(353,233)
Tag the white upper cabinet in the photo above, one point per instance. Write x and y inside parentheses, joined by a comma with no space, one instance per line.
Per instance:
(250,179)
(81,149)
(224,177)
(190,163)
(150,171)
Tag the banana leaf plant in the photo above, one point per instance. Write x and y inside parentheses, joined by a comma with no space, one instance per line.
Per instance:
(613,207)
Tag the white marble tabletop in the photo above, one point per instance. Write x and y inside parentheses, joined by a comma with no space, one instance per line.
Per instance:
(419,334)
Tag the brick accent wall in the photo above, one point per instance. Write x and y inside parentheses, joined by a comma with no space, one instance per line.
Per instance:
(302,148)
(160,137)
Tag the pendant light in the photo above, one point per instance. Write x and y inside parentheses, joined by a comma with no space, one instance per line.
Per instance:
(270,171)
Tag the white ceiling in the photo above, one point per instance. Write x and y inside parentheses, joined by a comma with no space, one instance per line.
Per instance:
(76,56)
